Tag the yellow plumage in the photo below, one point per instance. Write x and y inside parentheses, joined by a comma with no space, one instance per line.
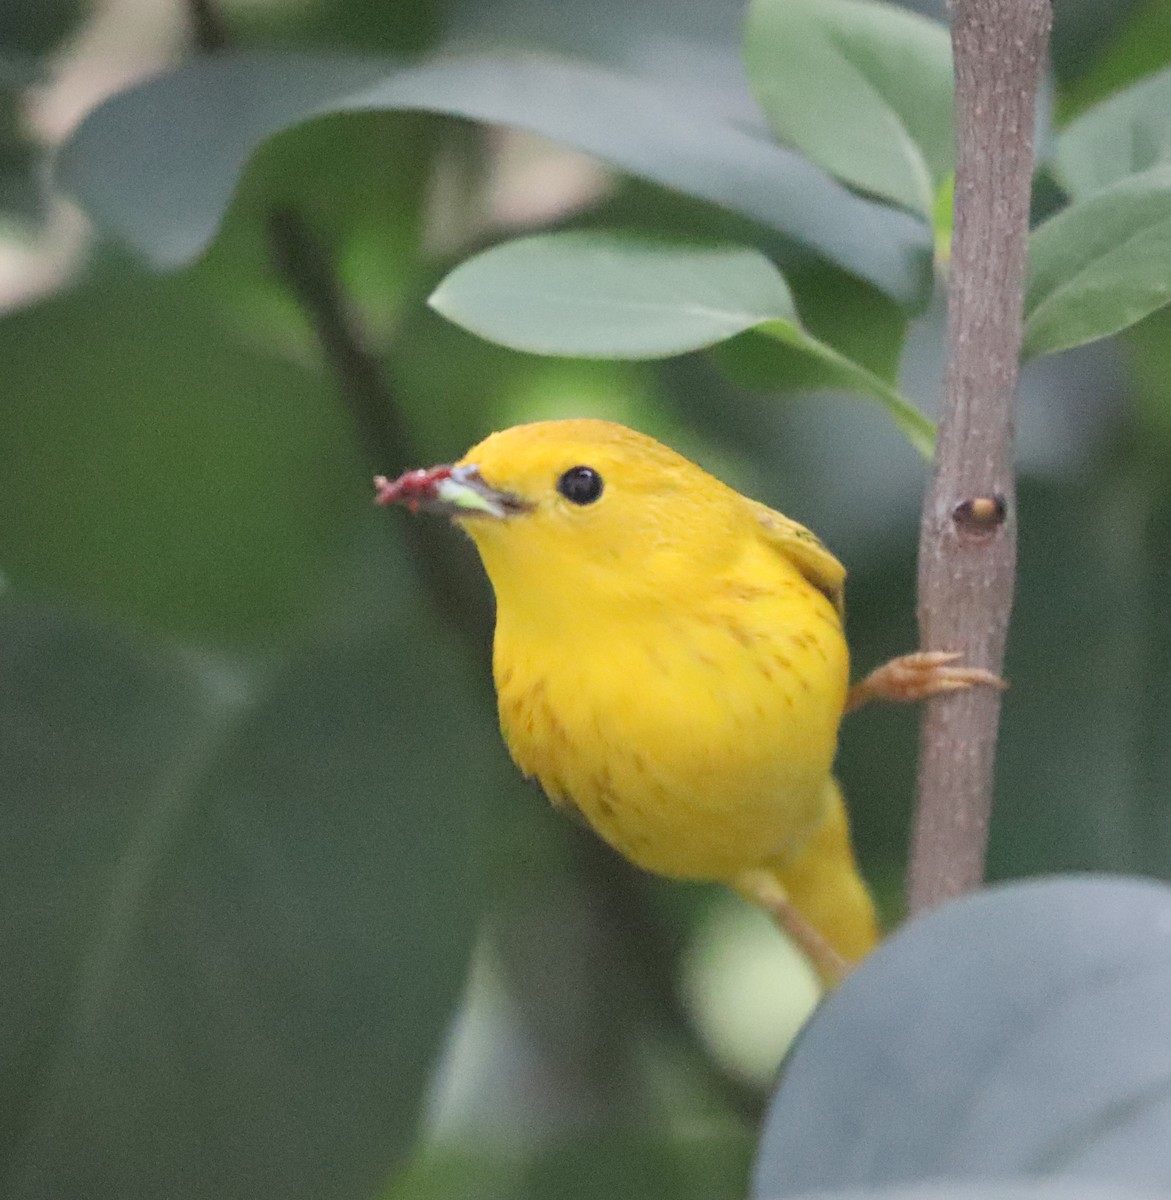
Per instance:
(669,660)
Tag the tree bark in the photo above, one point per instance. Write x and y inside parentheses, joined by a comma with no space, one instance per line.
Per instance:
(967,544)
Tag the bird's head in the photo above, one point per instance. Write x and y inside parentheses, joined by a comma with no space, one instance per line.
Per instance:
(583,510)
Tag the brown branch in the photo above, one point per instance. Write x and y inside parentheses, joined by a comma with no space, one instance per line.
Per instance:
(967,544)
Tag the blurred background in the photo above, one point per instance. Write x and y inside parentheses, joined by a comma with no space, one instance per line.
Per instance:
(276,915)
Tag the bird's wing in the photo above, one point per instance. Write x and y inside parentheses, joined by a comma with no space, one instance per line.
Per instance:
(805,552)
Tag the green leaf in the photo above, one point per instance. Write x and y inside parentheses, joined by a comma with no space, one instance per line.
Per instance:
(339,24)
(1122,136)
(864,89)
(596,295)
(1100,265)
(21,163)
(1119,46)
(156,467)
(237,916)
(1023,1031)
(1086,733)
(993,1189)
(30,29)
(1148,353)
(839,310)
(157,164)
(601,295)
(844,373)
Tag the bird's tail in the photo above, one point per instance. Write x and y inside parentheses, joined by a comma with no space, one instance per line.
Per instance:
(821,888)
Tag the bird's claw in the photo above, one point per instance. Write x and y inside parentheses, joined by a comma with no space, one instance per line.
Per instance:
(913,677)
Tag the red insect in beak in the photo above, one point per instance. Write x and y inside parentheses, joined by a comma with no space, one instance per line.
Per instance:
(412,489)
(453,491)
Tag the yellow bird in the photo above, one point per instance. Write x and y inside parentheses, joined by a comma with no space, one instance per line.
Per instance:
(670,662)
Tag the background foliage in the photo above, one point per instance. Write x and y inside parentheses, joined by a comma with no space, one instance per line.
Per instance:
(264,863)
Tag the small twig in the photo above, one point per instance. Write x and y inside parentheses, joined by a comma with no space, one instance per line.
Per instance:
(307,270)
(208,28)
(305,267)
(967,545)
(645,963)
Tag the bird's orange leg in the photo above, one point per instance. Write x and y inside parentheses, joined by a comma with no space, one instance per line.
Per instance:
(912,677)
(761,887)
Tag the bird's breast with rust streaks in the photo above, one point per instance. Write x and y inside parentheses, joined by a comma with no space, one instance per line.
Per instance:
(691,743)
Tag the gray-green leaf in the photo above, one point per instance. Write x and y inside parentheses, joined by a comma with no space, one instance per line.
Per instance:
(600,295)
(1122,136)
(1100,265)
(157,164)
(863,88)
(236,920)
(1020,1032)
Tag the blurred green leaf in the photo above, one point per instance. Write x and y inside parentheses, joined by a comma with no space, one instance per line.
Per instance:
(461,1173)
(841,372)
(1140,45)
(360,182)
(703,35)
(30,29)
(837,309)
(1041,1048)
(1126,134)
(157,164)
(20,162)
(863,88)
(623,1163)
(1083,773)
(1087,31)
(1100,265)
(1148,346)
(154,466)
(583,294)
(407,27)
(993,1189)
(237,917)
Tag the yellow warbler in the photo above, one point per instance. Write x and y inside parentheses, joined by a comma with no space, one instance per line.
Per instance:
(670,662)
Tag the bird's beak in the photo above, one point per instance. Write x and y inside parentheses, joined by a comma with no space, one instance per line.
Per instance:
(453,491)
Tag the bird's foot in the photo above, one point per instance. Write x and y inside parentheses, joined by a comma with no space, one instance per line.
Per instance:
(913,677)
(761,887)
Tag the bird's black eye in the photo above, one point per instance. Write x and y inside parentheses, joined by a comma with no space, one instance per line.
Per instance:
(580,485)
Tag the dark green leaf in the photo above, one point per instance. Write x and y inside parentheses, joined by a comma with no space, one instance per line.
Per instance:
(408,28)
(615,1163)
(1070,758)
(236,919)
(30,29)
(863,88)
(20,162)
(995,1189)
(1138,44)
(157,164)
(836,308)
(1086,31)
(1023,1031)
(156,467)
